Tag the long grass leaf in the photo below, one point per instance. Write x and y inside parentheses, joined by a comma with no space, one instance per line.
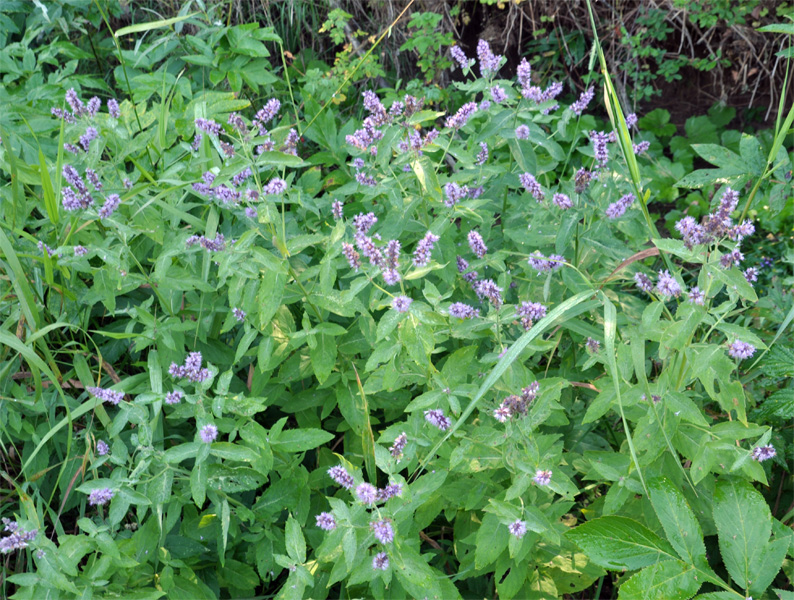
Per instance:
(538,329)
(610,328)
(20,282)
(140,27)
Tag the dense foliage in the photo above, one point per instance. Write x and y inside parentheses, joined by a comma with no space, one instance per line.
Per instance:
(260,340)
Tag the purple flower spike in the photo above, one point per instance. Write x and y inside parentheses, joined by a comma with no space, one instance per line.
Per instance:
(532,186)
(340,475)
(562,201)
(459,310)
(741,350)
(580,105)
(477,244)
(762,453)
(542,477)
(398,446)
(460,118)
(436,418)
(102,448)
(174,397)
(380,561)
(517,529)
(113,108)
(401,303)
(208,433)
(367,493)
(326,521)
(105,395)
(424,248)
(100,497)
(383,531)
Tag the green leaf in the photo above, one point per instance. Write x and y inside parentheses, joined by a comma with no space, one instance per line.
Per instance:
(293,537)
(779,405)
(668,580)
(151,25)
(620,543)
(492,538)
(679,522)
(743,526)
(719,156)
(323,356)
(300,440)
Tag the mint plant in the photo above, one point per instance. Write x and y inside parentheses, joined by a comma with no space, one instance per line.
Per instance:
(261,341)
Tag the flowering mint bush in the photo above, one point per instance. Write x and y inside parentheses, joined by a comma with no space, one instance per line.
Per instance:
(265,348)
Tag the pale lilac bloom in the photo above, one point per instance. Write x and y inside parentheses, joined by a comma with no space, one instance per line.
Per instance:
(89,136)
(667,285)
(367,493)
(110,396)
(424,248)
(208,126)
(251,212)
(593,346)
(462,311)
(398,446)
(112,202)
(735,257)
(174,397)
(482,155)
(238,314)
(580,105)
(267,113)
(599,139)
(113,108)
(401,303)
(517,529)
(391,276)
(762,453)
(326,521)
(208,433)
(352,256)
(631,120)
(460,118)
(336,209)
(45,248)
(524,73)
(383,531)
(498,94)
(380,561)
(190,370)
(489,62)
(18,539)
(542,477)
(340,475)
(485,105)
(562,201)
(696,296)
(487,288)
(741,350)
(641,147)
(275,186)
(751,274)
(477,244)
(364,222)
(100,496)
(522,132)
(390,491)
(643,282)
(459,56)
(532,186)
(93,106)
(102,448)
(502,413)
(437,418)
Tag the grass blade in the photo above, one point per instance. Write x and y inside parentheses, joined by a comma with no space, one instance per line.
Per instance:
(610,327)
(509,357)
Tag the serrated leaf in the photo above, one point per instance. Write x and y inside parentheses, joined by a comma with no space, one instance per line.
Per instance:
(620,543)
(778,363)
(743,525)
(492,538)
(779,405)
(679,522)
(668,580)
